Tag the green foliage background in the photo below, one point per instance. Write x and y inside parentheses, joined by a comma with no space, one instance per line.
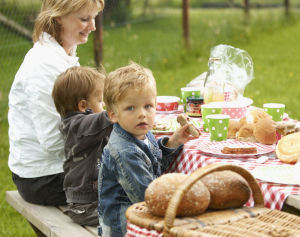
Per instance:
(268,36)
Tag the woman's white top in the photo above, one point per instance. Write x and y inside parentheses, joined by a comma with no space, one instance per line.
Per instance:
(36,144)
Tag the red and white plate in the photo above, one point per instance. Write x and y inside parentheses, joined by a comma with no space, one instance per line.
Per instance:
(215,147)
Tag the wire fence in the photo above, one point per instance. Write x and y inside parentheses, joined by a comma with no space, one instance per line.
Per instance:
(17,20)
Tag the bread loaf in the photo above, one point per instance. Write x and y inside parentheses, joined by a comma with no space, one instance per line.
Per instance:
(233,127)
(265,132)
(245,133)
(160,191)
(257,114)
(227,189)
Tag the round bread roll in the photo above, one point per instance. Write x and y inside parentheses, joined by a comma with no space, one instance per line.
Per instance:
(288,148)
(245,133)
(160,191)
(265,131)
(227,189)
(257,114)
(233,128)
(242,122)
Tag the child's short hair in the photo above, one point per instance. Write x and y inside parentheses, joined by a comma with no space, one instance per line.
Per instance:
(118,82)
(75,84)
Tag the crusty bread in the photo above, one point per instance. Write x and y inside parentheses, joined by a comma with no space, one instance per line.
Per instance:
(242,122)
(245,133)
(227,189)
(288,148)
(233,127)
(285,127)
(159,193)
(265,132)
(183,120)
(257,114)
(239,150)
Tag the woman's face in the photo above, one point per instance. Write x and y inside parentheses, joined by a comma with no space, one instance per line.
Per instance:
(76,27)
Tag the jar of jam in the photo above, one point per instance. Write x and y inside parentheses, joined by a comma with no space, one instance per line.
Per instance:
(193,106)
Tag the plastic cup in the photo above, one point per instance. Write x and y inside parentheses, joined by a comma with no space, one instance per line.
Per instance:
(207,109)
(218,126)
(275,110)
(188,91)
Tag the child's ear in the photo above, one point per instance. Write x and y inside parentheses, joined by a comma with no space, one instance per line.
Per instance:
(82,105)
(112,116)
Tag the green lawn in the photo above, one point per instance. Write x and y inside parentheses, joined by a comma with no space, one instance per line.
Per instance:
(269,38)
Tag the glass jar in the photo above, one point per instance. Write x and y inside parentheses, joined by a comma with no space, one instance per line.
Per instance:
(193,106)
(214,82)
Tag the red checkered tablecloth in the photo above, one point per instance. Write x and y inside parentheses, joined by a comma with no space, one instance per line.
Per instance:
(192,158)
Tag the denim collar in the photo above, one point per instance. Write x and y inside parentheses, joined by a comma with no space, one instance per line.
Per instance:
(129,137)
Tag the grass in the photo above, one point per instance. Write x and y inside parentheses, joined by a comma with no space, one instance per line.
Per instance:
(269,38)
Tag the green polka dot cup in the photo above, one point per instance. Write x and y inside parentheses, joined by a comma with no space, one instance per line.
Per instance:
(275,110)
(207,109)
(188,91)
(218,126)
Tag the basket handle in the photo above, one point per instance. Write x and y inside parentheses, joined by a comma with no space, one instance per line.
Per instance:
(194,177)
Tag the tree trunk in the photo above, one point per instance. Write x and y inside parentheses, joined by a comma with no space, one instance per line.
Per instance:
(185,22)
(247,8)
(287,7)
(145,7)
(98,41)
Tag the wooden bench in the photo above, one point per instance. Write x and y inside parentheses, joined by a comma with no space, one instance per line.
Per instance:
(48,220)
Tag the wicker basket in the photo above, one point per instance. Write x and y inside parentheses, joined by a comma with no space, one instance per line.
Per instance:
(246,221)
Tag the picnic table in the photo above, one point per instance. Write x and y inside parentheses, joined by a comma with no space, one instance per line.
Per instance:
(276,195)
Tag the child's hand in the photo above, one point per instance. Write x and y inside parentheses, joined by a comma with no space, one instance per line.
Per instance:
(180,136)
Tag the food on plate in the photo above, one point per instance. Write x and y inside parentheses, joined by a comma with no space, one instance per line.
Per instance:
(242,122)
(227,189)
(183,120)
(285,127)
(162,125)
(233,127)
(239,150)
(255,115)
(265,132)
(288,148)
(245,133)
(256,127)
(160,191)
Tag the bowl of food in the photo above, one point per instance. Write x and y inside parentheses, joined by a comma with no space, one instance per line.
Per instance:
(167,104)
(236,109)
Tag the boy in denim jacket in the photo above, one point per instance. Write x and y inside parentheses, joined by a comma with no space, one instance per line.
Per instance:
(132,158)
(86,127)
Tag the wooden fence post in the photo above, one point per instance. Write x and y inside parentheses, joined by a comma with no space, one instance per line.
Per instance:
(287,7)
(185,22)
(247,8)
(98,41)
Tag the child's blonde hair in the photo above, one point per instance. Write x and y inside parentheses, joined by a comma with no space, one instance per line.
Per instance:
(118,82)
(76,84)
(52,9)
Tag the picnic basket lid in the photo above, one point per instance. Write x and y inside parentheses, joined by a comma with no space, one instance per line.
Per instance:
(239,222)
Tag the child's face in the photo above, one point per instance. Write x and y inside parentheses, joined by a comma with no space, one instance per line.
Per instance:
(135,112)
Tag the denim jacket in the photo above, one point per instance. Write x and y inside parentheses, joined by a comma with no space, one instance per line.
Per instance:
(127,167)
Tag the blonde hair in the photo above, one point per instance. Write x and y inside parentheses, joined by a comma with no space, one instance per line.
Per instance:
(51,9)
(118,82)
(75,84)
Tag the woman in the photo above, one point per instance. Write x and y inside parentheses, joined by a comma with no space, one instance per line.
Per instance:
(36,145)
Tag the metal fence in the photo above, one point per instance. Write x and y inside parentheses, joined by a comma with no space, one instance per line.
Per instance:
(17,20)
